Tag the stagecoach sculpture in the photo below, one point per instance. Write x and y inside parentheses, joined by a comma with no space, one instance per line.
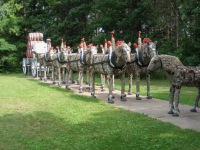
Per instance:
(36,49)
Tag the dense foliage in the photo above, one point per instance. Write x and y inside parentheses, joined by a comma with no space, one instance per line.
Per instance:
(173,23)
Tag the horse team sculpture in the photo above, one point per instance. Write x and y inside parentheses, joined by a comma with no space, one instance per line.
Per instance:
(116,58)
(77,62)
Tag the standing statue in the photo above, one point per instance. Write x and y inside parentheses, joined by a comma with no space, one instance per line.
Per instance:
(105,51)
(80,62)
(179,75)
(139,62)
(39,57)
(51,58)
(57,65)
(109,65)
(62,58)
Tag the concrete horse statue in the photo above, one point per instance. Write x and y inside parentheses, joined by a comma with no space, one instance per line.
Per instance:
(179,75)
(57,66)
(62,59)
(110,64)
(80,62)
(43,63)
(103,77)
(51,57)
(139,63)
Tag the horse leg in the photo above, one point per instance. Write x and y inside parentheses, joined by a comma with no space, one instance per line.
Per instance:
(92,84)
(78,81)
(59,76)
(45,73)
(81,81)
(40,72)
(54,74)
(67,78)
(113,82)
(87,76)
(137,75)
(102,82)
(123,95)
(107,78)
(196,101)
(130,76)
(37,71)
(63,75)
(110,86)
(171,100)
(72,77)
(177,94)
(48,71)
(148,86)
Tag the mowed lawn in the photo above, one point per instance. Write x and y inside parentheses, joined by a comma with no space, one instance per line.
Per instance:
(36,115)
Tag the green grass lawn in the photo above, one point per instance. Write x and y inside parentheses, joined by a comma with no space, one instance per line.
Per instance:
(35,115)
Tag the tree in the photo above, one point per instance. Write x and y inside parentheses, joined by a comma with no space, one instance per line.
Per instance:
(173,23)
(191,40)
(9,31)
(126,18)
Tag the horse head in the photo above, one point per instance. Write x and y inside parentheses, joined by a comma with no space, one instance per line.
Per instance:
(122,53)
(146,52)
(86,55)
(154,64)
(50,55)
(62,56)
(91,51)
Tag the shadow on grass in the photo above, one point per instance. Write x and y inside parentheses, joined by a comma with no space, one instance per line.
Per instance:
(73,95)
(111,129)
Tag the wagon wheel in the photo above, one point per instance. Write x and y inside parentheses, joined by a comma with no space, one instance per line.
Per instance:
(24,66)
(34,67)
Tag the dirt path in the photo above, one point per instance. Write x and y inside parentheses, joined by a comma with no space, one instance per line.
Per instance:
(153,108)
